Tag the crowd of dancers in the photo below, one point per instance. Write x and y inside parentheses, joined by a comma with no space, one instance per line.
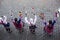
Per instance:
(19,24)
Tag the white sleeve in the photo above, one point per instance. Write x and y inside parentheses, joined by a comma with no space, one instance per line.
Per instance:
(44,22)
(56,16)
(27,20)
(1,19)
(5,18)
(35,19)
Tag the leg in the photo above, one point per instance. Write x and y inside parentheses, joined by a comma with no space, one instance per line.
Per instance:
(8,30)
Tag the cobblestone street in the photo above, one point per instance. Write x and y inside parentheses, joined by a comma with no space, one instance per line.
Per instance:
(48,7)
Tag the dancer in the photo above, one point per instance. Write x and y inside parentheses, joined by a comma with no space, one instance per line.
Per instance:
(22,23)
(1,20)
(49,26)
(31,23)
(6,24)
(18,23)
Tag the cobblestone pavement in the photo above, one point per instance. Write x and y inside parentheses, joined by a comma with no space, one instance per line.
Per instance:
(46,6)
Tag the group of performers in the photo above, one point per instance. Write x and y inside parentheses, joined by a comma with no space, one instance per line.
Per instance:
(19,24)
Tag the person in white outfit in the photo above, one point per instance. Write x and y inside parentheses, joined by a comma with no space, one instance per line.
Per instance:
(6,24)
(31,23)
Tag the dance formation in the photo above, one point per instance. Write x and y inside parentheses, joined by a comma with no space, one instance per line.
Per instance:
(19,23)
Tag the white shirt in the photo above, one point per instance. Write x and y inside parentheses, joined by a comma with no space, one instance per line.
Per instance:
(5,19)
(31,21)
(1,20)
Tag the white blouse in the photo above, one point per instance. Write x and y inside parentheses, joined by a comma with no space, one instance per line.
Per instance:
(31,21)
